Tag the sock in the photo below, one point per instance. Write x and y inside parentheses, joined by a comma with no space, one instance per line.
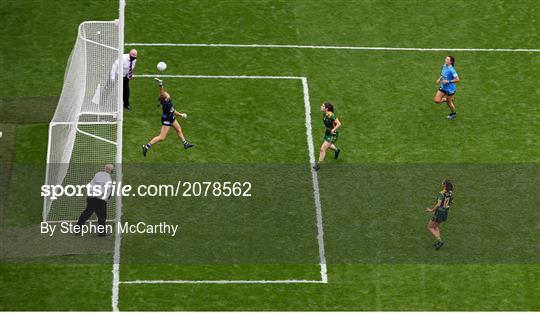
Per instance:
(148,145)
(184,142)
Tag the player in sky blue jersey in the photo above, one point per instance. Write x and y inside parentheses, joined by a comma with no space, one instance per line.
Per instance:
(447,85)
(167,120)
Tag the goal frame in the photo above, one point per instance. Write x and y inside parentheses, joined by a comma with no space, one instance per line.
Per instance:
(117,116)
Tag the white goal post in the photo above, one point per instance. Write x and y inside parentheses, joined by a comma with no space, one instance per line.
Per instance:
(86,130)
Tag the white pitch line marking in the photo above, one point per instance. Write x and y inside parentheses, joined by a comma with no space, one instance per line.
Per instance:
(314,181)
(223,282)
(218,76)
(314,178)
(217,45)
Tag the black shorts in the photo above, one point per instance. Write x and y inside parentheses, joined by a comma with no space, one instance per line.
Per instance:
(448,93)
(167,121)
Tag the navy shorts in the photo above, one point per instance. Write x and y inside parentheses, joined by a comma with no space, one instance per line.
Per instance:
(448,93)
(167,121)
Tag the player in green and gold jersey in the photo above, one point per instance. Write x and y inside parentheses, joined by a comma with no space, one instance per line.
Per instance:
(445,197)
(331,123)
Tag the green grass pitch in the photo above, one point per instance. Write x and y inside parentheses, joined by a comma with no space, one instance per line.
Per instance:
(397,146)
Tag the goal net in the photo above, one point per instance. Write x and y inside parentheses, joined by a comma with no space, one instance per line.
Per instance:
(85,132)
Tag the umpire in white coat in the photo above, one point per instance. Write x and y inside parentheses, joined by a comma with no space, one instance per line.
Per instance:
(128,65)
(99,192)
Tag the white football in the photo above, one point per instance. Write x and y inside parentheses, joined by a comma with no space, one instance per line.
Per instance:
(161,66)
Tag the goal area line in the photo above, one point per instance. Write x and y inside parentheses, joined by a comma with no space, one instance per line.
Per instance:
(219,76)
(315,185)
(224,282)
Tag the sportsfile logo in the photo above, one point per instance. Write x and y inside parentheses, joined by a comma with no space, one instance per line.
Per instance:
(88,190)
(180,189)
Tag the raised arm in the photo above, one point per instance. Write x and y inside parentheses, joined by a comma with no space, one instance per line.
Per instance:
(162,92)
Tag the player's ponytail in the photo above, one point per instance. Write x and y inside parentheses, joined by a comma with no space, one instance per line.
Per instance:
(329,106)
(448,185)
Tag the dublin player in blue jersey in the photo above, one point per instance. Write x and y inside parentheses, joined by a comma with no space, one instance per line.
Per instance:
(447,86)
(168,119)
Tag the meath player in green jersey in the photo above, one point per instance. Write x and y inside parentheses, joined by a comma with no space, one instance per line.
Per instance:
(444,200)
(332,123)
